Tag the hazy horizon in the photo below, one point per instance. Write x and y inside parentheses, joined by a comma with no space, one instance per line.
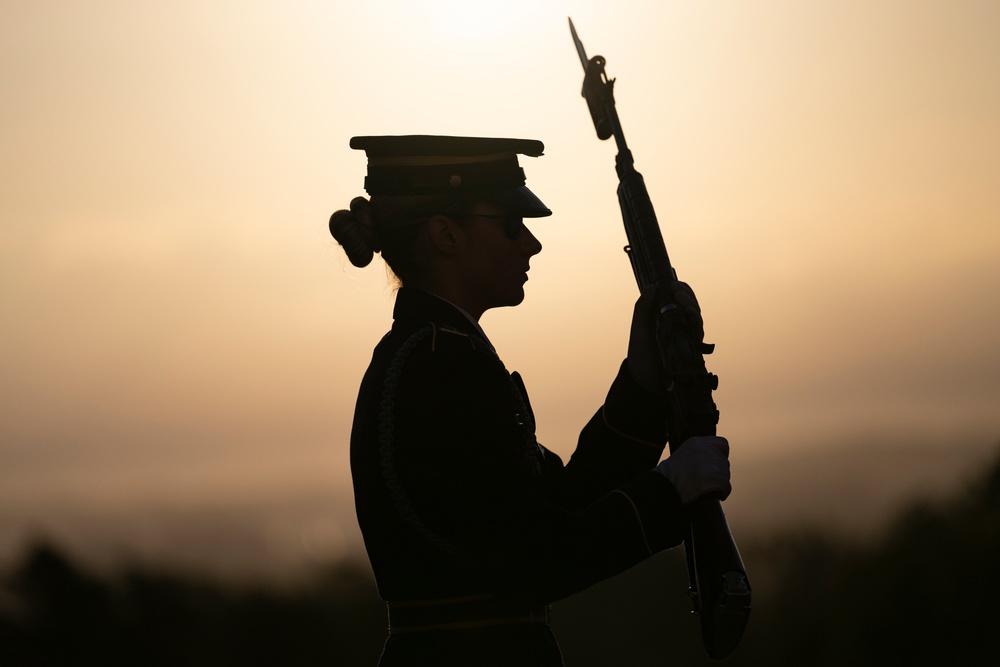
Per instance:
(180,331)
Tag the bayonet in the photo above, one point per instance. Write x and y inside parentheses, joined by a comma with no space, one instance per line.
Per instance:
(579,46)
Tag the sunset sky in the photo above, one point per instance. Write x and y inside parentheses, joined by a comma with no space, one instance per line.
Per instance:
(181,335)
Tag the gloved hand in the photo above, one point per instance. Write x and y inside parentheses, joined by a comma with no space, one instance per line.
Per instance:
(644,363)
(685,298)
(699,467)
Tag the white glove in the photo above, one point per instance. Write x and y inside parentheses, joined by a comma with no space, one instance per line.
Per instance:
(699,467)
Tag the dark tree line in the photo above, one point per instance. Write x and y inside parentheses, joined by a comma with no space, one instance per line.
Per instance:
(53,613)
(927,593)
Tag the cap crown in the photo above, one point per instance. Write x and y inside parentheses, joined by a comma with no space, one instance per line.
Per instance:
(429,165)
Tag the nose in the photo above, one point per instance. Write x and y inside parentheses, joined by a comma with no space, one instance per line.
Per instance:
(529,244)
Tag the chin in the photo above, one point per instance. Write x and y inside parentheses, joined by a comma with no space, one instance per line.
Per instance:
(512,299)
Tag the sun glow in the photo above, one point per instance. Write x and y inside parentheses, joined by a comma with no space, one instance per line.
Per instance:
(467,20)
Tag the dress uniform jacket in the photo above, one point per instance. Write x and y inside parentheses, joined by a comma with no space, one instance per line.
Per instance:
(471,526)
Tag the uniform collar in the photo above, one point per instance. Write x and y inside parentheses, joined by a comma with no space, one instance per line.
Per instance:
(419,307)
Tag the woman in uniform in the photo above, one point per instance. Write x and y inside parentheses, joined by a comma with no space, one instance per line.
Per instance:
(473,528)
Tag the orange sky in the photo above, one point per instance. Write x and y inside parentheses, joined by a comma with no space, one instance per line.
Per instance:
(180,331)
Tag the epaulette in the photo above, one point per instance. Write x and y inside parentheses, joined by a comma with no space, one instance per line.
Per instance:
(386,440)
(474,341)
(452,331)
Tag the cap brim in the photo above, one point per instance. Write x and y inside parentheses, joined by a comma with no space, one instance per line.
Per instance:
(518,200)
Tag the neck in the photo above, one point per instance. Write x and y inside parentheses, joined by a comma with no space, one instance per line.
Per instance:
(451,293)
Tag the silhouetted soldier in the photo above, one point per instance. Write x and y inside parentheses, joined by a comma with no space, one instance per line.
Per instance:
(472,527)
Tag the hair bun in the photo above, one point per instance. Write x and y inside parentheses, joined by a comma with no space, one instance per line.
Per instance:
(355,231)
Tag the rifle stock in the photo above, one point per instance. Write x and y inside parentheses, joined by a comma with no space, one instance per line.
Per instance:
(719,586)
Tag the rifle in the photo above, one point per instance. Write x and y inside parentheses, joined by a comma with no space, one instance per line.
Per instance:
(719,587)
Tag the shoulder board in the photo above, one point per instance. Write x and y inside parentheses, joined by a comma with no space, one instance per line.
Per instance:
(452,331)
(473,341)
(431,330)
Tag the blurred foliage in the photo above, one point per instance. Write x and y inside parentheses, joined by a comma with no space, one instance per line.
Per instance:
(924,594)
(53,613)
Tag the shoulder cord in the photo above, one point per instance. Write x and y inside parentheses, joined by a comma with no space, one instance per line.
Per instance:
(523,416)
(385,439)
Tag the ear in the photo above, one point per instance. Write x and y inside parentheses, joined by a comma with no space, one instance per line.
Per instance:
(444,234)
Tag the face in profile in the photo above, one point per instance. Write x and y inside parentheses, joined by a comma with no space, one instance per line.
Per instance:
(495,255)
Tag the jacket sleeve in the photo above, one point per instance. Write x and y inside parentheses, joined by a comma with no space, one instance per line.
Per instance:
(624,438)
